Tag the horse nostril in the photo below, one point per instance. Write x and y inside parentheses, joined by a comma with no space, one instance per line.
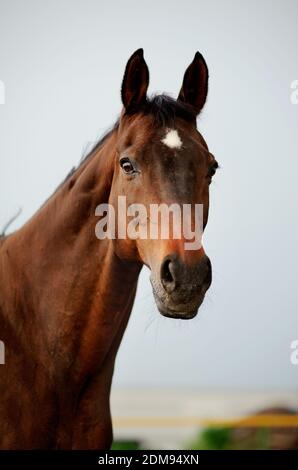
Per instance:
(167,275)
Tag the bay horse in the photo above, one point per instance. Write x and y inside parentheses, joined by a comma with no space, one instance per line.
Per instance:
(66,297)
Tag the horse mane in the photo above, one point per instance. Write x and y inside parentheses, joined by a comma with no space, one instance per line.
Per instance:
(166,109)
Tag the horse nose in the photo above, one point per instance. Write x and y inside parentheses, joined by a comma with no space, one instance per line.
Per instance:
(175,274)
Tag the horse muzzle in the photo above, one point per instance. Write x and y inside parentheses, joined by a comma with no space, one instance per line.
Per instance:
(179,288)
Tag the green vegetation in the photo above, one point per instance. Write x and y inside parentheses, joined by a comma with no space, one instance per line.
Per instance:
(231,439)
(125,445)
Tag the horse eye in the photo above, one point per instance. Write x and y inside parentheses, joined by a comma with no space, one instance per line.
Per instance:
(126,165)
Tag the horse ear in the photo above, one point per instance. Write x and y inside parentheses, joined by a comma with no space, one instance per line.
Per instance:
(195,83)
(135,81)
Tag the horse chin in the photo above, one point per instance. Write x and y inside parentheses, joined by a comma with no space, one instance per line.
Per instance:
(177,315)
(181,311)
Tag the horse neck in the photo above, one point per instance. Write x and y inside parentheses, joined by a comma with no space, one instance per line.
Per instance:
(78,292)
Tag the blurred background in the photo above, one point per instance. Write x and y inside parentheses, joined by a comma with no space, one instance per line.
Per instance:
(177,384)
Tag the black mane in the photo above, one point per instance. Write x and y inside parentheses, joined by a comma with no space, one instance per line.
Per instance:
(166,109)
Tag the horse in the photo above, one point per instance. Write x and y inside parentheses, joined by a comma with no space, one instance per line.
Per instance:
(66,296)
